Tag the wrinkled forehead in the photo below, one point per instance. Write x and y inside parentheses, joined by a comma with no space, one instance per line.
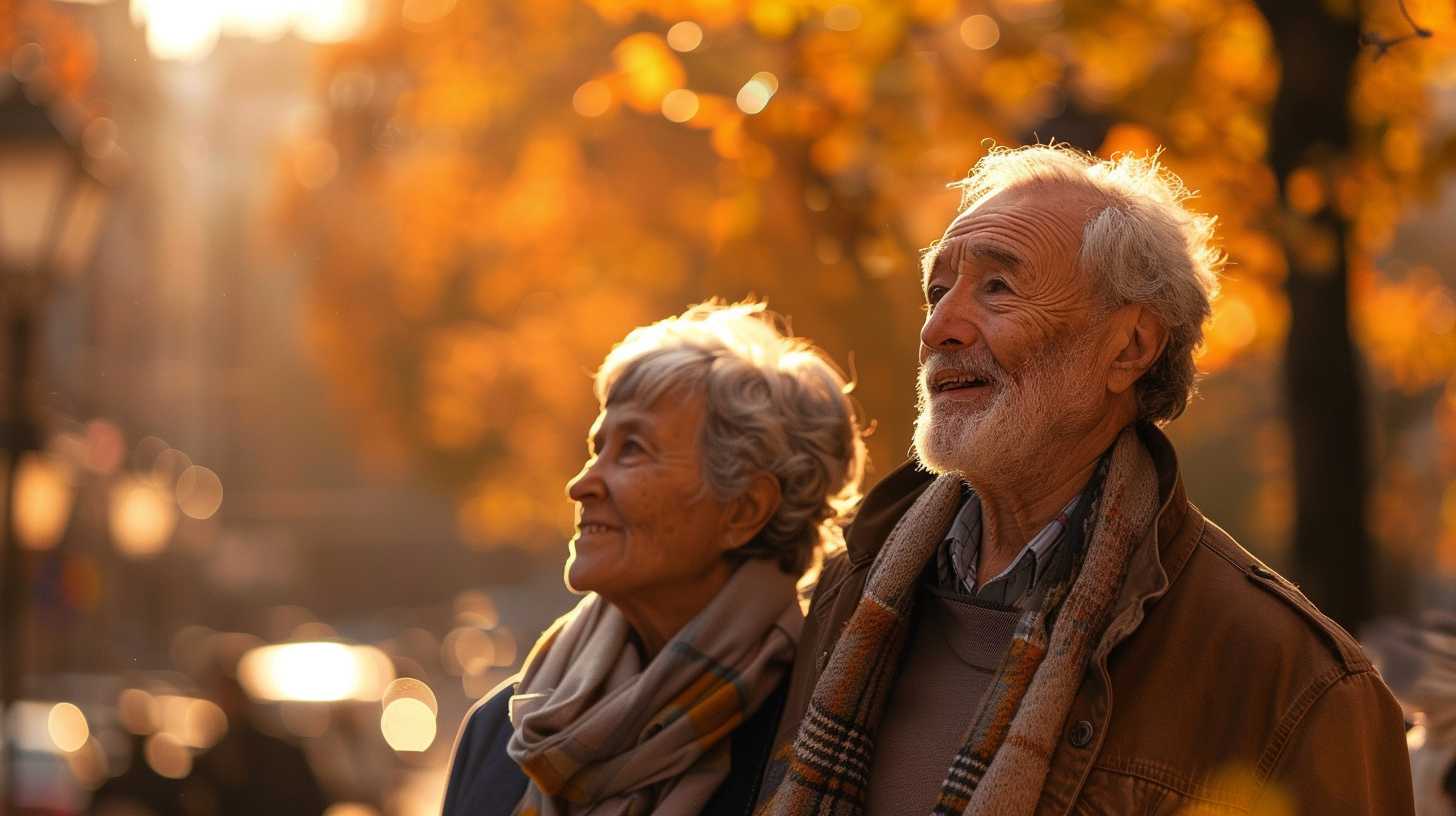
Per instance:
(1061,208)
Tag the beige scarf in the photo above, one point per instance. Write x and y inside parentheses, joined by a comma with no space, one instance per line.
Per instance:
(599,733)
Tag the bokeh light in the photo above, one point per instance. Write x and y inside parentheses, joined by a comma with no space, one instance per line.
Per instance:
(167,756)
(475,608)
(138,712)
(315,672)
(170,463)
(142,516)
(408,725)
(504,644)
(43,499)
(411,688)
(685,36)
(680,105)
(408,718)
(67,727)
(593,98)
(90,765)
(755,94)
(192,721)
(105,446)
(980,31)
(199,492)
(464,645)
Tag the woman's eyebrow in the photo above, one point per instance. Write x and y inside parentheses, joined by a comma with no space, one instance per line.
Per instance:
(626,425)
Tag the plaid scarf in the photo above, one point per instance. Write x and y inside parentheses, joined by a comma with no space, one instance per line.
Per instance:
(1002,763)
(599,733)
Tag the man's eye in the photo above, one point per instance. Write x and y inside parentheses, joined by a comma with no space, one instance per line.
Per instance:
(996,286)
(933,294)
(631,446)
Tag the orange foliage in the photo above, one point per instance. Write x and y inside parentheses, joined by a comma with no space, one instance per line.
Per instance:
(70,53)
(512,196)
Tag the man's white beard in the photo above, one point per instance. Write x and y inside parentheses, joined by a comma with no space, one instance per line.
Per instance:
(1049,400)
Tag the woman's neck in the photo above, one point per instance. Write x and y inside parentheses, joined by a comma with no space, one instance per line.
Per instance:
(659,613)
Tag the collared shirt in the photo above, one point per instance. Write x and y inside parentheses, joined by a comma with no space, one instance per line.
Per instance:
(958,558)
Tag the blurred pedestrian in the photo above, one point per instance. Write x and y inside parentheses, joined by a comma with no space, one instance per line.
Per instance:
(1419,663)
(724,456)
(248,771)
(1031,617)
(138,791)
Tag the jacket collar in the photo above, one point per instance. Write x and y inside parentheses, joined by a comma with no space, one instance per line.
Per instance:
(1153,565)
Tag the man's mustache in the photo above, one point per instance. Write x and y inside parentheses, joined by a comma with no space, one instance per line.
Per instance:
(973,361)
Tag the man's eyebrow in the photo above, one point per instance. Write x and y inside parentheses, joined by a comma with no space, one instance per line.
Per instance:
(996,255)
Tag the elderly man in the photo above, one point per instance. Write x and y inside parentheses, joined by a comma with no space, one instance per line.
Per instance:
(1032,617)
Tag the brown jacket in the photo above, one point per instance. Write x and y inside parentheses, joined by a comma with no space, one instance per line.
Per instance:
(1218,688)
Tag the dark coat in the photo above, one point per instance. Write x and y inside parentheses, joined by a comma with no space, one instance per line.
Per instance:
(485,781)
(1217,687)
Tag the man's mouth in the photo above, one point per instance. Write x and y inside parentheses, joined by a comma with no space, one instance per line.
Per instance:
(957,382)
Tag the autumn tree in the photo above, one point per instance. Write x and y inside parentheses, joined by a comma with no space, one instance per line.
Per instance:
(499,191)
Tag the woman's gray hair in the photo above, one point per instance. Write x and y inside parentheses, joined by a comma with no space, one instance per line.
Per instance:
(775,404)
(1141,245)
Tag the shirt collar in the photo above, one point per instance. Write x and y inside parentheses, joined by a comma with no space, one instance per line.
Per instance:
(958,558)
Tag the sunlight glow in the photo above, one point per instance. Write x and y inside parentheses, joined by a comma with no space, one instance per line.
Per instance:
(188,30)
(315,672)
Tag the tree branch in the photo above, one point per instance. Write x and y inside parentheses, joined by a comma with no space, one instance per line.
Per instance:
(1382,43)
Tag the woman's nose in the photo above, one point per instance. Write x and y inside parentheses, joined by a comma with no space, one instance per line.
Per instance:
(586,483)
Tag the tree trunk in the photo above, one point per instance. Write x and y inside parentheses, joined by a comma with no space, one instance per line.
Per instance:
(1310,127)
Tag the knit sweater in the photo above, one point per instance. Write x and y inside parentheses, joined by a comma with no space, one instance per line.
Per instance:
(954,650)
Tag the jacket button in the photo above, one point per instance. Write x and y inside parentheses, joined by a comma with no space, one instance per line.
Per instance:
(823,660)
(1080,734)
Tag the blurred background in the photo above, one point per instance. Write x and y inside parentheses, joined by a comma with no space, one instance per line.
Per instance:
(301,299)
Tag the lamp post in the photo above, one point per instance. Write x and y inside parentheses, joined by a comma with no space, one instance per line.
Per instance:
(50,214)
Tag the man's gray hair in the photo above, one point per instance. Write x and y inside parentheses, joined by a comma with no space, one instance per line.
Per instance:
(1141,245)
(775,404)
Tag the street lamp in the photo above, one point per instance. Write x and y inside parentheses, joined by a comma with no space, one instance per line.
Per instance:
(50,214)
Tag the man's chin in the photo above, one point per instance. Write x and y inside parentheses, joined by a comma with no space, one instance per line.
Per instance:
(947,444)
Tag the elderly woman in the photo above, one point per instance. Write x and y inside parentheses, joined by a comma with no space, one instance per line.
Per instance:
(725,454)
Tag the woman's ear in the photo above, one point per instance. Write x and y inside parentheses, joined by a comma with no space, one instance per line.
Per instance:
(1141,337)
(748,513)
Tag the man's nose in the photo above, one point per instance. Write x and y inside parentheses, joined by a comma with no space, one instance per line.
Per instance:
(950,323)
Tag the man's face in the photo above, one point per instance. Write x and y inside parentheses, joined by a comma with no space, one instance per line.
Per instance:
(1011,358)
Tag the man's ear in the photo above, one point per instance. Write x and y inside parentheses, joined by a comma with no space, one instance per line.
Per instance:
(1140,338)
(748,513)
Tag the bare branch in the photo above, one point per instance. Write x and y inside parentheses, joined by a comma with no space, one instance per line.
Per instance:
(1382,43)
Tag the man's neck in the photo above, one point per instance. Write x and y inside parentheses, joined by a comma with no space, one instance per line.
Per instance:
(1013,513)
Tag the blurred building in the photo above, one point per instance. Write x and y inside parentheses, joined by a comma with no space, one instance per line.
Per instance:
(186,344)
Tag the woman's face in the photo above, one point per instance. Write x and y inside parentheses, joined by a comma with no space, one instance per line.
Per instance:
(647,527)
